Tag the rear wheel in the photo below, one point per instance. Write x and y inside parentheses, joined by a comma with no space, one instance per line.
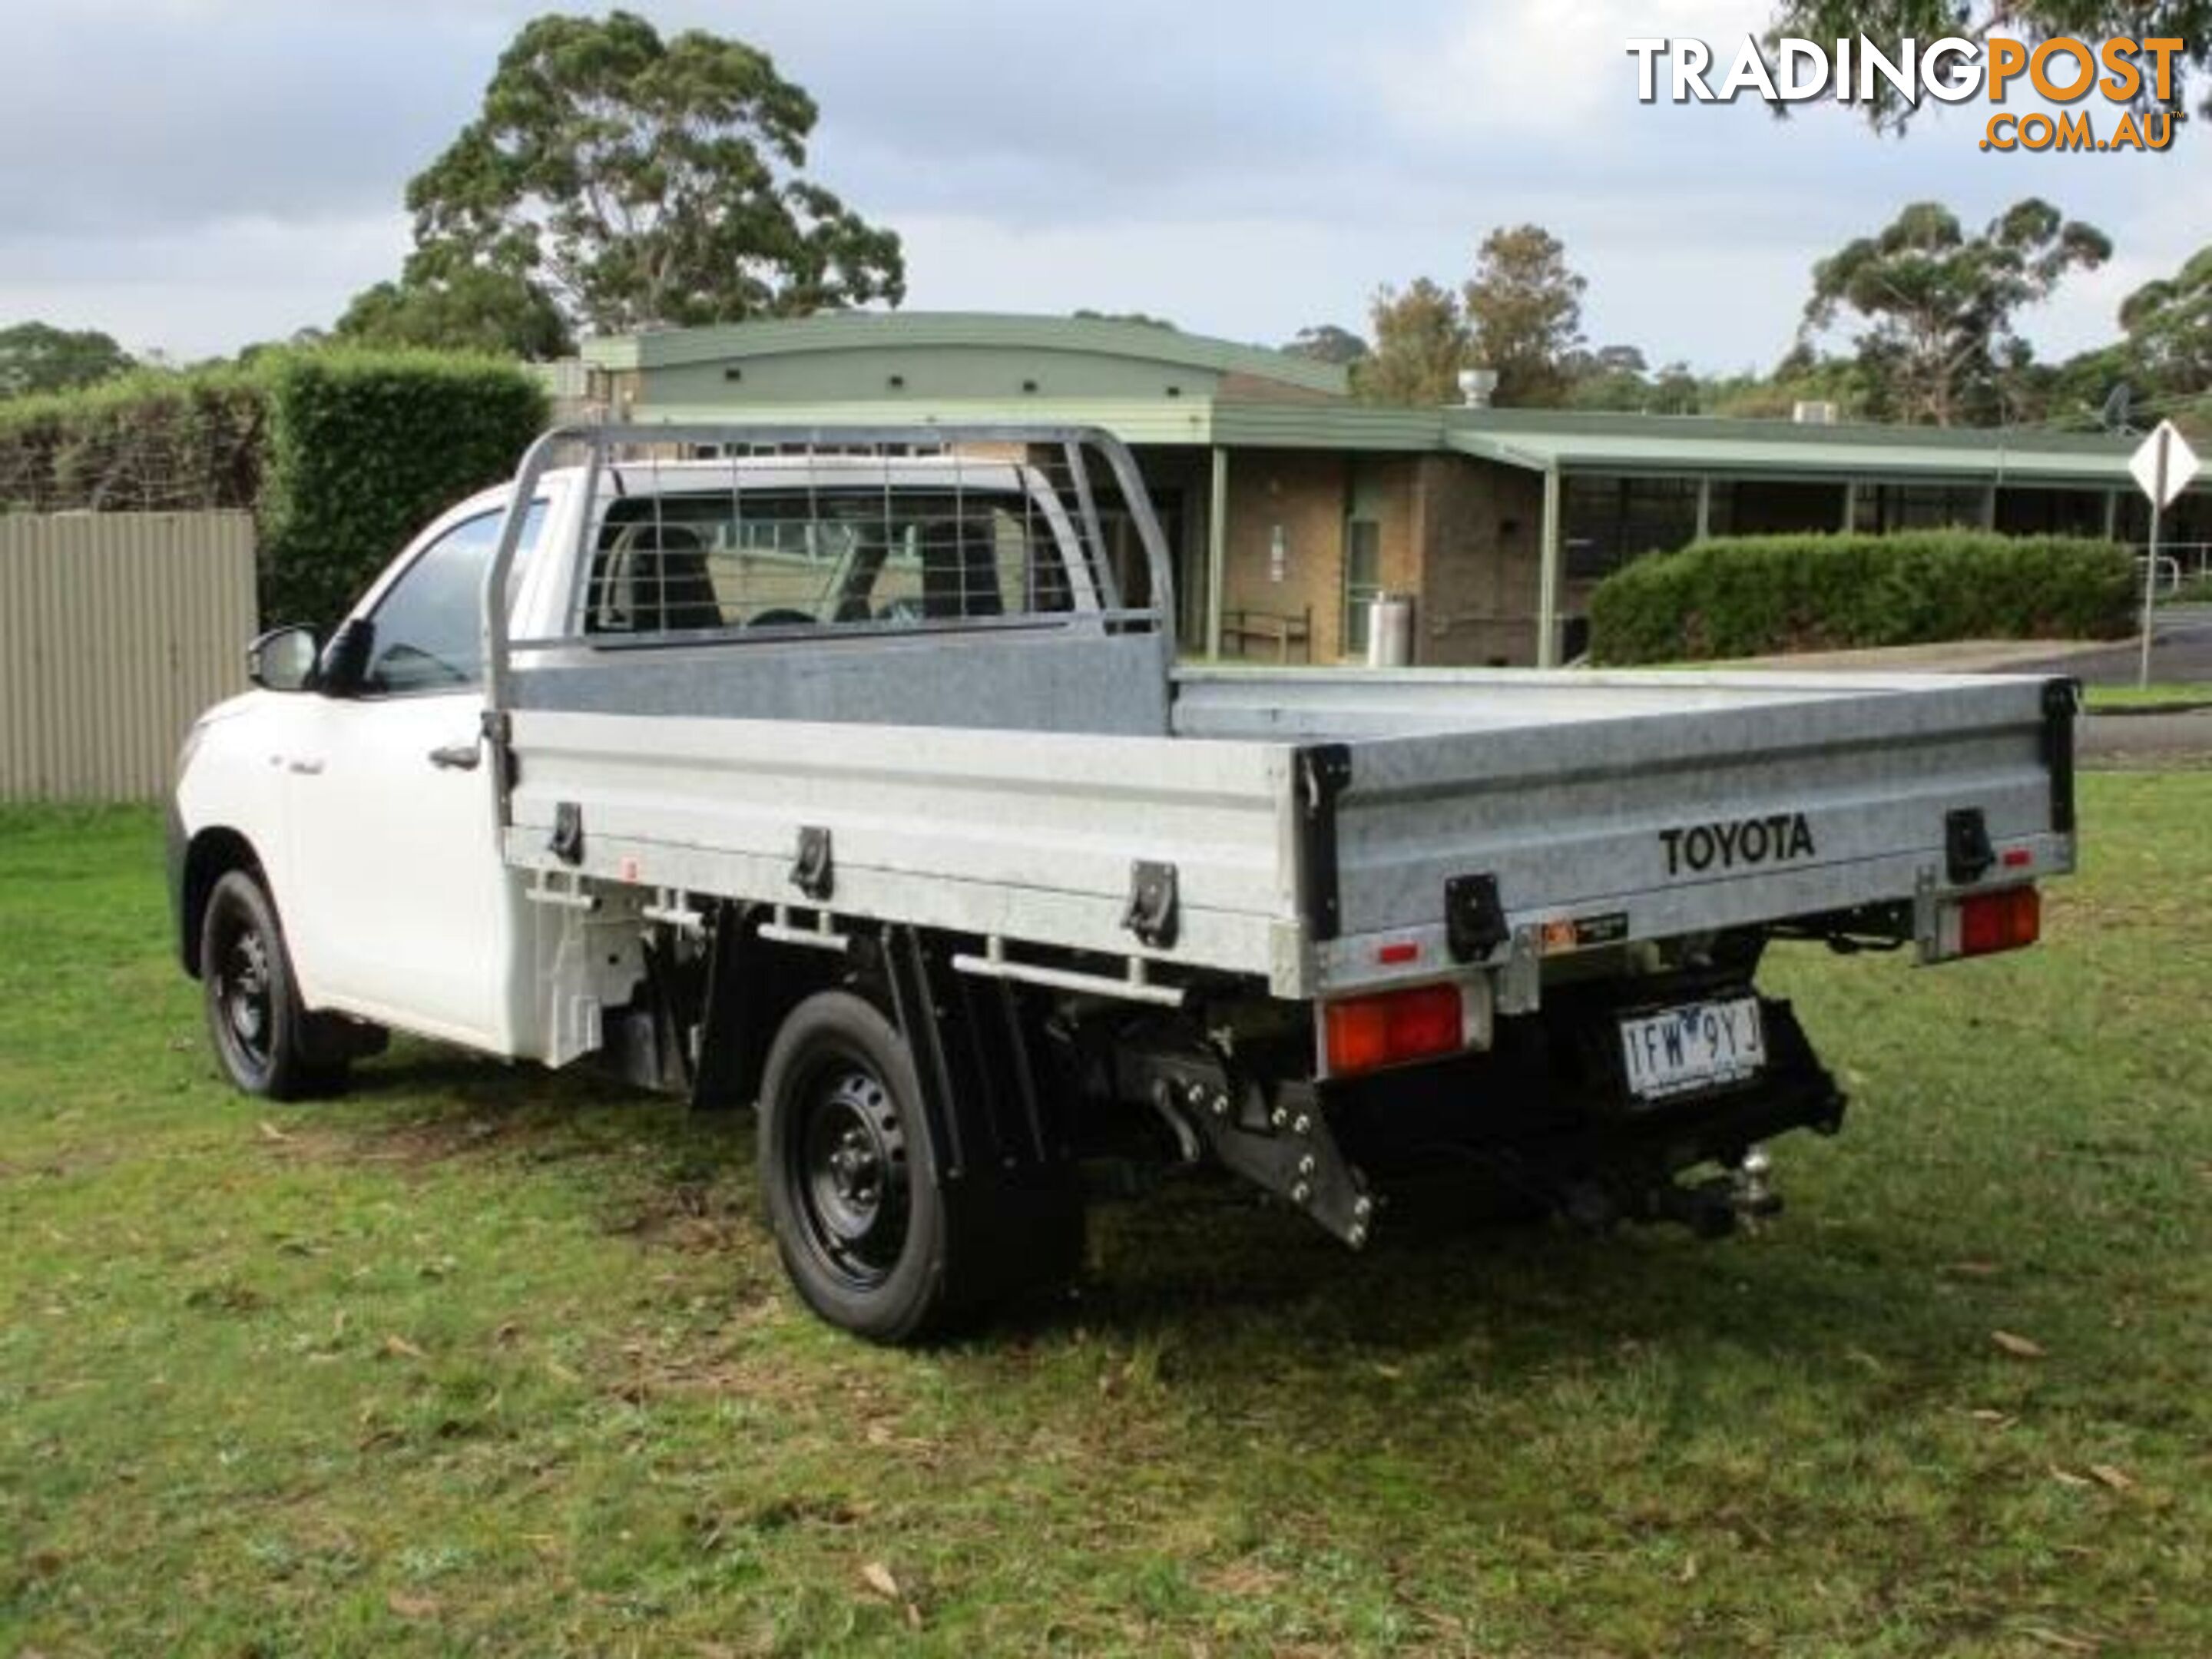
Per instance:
(847,1171)
(259,1030)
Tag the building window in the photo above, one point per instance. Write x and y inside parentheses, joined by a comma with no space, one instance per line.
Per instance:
(1885,507)
(1362,580)
(1610,520)
(2025,511)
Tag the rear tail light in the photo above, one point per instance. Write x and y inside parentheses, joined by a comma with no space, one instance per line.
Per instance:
(1987,923)
(1366,1033)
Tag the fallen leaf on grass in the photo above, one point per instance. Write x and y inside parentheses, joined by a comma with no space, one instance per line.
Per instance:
(1973,1269)
(1995,1419)
(879,1579)
(2117,1479)
(2018,1347)
(400,1348)
(2068,1478)
(412,1606)
(270,1132)
(2051,1638)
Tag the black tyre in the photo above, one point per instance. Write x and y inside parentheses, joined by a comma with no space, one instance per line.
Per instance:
(260,1031)
(848,1174)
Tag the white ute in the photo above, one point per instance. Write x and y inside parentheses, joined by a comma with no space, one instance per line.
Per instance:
(850,774)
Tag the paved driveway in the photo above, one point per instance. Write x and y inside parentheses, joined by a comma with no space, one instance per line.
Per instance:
(2180,651)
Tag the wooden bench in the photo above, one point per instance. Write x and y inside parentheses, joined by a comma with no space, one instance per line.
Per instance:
(1281,629)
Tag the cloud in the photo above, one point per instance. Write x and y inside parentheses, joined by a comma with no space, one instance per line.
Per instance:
(205,287)
(201,173)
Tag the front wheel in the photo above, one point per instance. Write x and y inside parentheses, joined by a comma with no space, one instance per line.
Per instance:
(259,1030)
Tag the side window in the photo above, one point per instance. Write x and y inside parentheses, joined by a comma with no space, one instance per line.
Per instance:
(428,628)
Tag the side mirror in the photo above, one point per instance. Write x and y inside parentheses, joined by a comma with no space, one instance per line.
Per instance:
(282,660)
(345,660)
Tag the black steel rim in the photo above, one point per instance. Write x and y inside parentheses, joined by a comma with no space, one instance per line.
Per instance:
(245,990)
(848,1173)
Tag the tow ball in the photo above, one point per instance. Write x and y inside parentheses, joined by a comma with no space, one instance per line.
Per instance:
(1712,1208)
(1716,1208)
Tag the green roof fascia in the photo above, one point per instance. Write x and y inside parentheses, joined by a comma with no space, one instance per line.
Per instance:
(853,330)
(1981,463)
(1598,424)
(1367,427)
(1136,420)
(1133,420)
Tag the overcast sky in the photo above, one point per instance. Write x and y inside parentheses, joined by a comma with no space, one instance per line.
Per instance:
(193,174)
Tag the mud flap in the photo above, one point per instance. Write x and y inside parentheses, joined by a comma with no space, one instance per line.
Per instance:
(1003,1153)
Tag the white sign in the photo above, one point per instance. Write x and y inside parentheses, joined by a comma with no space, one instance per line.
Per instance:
(2181,465)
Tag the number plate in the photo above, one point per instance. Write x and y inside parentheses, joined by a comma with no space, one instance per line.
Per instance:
(1698,1045)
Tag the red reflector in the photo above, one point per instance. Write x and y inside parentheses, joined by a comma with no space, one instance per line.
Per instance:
(1392,956)
(2006,921)
(1365,1032)
(2017,858)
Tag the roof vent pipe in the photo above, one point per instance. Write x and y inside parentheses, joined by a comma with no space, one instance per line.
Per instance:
(1477,387)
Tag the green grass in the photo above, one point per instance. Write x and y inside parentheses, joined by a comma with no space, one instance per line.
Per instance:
(2180,695)
(488,1360)
(2194,589)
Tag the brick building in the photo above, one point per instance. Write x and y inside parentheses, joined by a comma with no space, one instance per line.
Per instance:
(1287,506)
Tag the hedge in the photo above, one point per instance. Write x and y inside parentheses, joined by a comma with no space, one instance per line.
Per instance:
(1762,595)
(365,448)
(342,453)
(144,442)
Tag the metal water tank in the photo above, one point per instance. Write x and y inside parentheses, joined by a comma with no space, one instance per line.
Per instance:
(1390,631)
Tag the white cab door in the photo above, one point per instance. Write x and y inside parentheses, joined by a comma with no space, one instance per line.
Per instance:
(401,909)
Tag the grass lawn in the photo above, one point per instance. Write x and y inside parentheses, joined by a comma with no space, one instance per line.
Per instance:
(2180,695)
(488,1360)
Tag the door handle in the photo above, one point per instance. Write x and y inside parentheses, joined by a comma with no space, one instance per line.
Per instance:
(457,757)
(306,769)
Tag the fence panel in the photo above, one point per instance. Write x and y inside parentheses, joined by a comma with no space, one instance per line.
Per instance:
(116,630)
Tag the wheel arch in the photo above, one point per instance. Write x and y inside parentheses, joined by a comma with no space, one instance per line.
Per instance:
(211,855)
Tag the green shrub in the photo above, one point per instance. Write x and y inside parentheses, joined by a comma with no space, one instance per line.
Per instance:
(343,454)
(366,448)
(147,442)
(1762,595)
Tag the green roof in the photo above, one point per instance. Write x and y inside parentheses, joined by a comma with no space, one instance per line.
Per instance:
(859,331)
(1149,384)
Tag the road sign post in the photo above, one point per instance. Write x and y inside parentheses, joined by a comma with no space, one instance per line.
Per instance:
(2163,466)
